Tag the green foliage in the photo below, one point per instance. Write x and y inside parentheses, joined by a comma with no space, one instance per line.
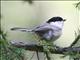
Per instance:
(7,51)
(47,46)
(72,55)
(77,5)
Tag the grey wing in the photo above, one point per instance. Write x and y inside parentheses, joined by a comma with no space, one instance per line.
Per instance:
(44,27)
(44,31)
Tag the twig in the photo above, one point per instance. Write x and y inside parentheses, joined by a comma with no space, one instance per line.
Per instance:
(47,56)
(75,41)
(32,56)
(37,55)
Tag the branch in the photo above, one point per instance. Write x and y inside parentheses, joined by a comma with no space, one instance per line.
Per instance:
(35,47)
(76,39)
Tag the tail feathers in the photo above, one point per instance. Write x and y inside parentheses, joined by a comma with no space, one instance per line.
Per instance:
(21,29)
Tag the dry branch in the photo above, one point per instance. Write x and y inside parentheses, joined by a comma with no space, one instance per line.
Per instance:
(35,47)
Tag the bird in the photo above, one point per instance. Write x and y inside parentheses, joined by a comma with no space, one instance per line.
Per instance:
(51,30)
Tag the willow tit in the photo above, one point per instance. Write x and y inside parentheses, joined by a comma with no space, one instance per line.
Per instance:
(50,31)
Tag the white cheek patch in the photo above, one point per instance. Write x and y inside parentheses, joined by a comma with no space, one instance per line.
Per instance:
(58,24)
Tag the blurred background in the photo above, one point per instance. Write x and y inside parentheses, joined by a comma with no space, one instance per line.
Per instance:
(30,15)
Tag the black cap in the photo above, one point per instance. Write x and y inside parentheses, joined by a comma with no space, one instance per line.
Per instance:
(54,19)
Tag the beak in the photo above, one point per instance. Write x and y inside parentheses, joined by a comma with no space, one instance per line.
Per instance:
(64,19)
